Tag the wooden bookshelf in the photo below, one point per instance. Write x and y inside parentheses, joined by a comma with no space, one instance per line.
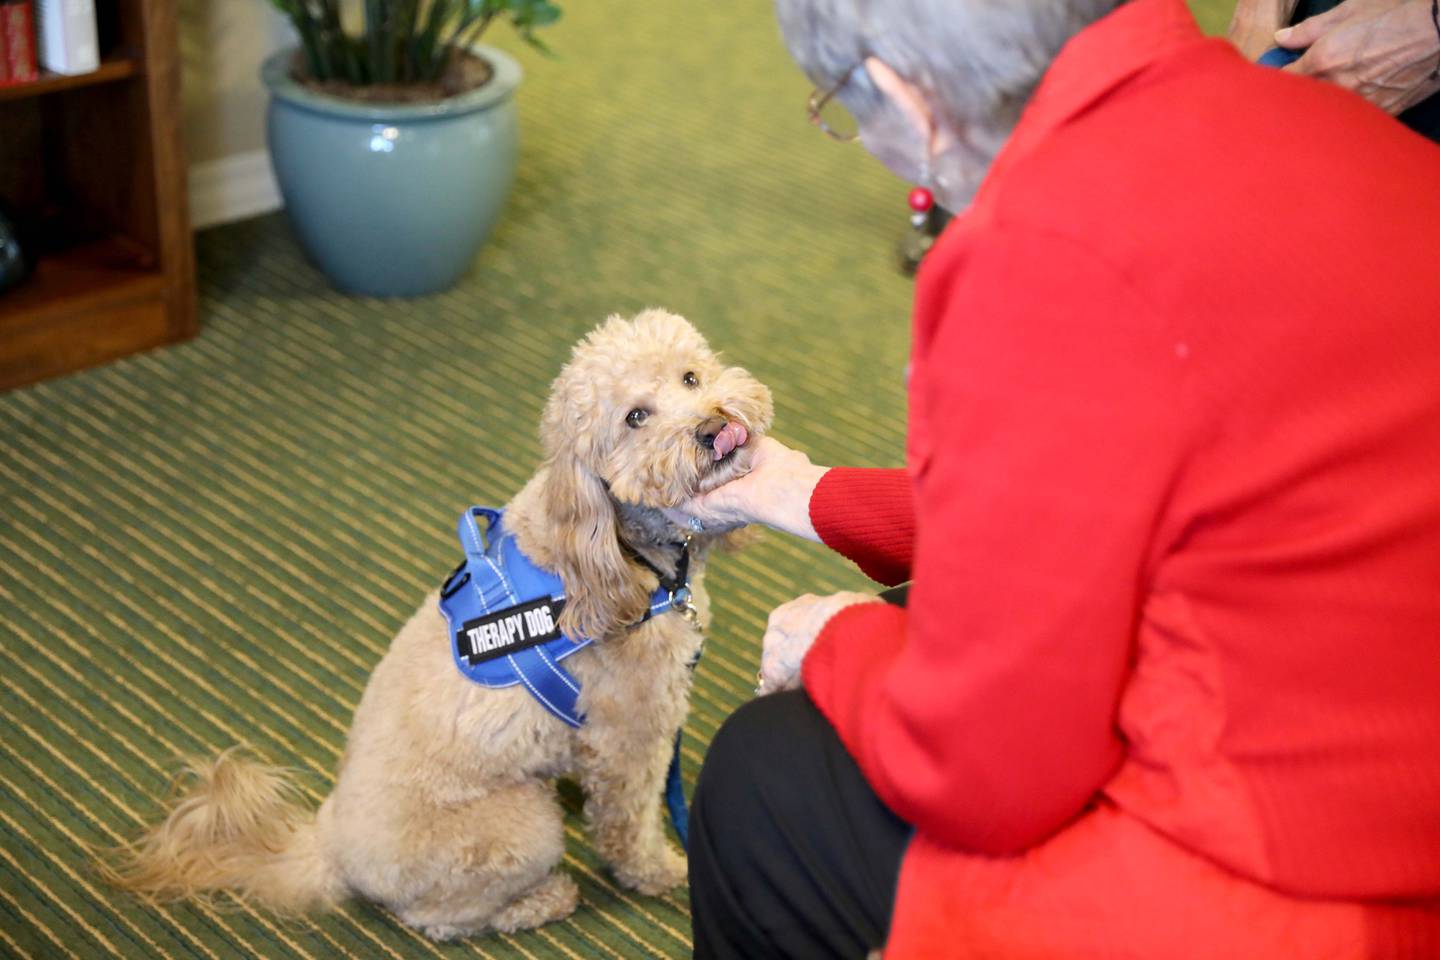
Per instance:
(120,68)
(93,167)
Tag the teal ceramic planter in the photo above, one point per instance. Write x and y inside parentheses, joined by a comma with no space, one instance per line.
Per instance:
(393,200)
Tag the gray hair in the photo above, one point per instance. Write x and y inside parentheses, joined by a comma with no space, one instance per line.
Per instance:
(976,61)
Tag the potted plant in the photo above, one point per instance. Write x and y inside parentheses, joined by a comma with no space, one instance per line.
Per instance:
(394,147)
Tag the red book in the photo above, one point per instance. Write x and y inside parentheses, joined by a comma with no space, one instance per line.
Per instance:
(17,42)
(4,58)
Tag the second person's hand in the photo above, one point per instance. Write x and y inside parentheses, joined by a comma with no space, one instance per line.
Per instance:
(1384,50)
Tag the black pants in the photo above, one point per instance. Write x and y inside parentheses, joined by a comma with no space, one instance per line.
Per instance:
(791,853)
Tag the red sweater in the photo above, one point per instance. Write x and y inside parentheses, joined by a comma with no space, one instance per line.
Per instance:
(1172,505)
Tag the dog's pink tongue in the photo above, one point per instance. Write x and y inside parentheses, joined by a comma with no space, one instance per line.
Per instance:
(731,435)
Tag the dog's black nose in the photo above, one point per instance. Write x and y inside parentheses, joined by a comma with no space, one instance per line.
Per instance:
(705,433)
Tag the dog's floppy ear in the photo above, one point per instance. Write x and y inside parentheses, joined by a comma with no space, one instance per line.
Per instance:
(601,588)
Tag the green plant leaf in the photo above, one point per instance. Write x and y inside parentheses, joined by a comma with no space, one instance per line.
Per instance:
(405,41)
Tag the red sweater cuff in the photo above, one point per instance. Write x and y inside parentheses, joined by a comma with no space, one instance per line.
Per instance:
(867,515)
(845,669)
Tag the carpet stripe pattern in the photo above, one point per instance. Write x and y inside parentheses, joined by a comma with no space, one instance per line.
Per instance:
(213,543)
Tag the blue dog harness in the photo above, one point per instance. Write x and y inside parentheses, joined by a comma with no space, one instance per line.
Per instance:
(503,613)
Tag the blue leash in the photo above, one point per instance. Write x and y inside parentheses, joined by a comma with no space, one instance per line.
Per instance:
(675,797)
(1279,57)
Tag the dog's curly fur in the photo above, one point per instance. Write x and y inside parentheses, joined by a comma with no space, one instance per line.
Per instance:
(444,808)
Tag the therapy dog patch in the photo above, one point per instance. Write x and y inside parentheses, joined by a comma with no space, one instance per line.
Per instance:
(508,631)
(503,615)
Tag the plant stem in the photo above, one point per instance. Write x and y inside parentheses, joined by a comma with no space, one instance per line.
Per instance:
(474,36)
(375,36)
(334,61)
(434,22)
(453,46)
(309,43)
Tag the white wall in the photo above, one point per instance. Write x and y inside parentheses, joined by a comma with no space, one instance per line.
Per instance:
(222,43)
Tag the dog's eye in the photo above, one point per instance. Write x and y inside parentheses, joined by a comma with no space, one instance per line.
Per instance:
(636,417)
(690,380)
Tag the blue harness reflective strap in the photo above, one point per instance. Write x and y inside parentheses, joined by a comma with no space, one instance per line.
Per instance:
(503,612)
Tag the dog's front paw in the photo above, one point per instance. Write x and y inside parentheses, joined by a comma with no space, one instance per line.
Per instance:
(654,875)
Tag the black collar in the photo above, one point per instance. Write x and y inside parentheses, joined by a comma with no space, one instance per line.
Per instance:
(682,566)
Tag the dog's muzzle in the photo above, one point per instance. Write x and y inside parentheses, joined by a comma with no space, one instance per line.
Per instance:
(721,436)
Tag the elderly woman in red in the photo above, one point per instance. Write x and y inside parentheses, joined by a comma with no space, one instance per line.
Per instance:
(1167,680)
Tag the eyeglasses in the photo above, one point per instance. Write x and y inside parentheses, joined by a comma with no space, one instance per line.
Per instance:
(830,115)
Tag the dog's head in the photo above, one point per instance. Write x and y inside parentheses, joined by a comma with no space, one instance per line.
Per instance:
(644,413)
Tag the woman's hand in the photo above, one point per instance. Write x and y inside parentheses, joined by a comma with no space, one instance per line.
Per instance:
(791,632)
(776,492)
(1384,50)
(1253,25)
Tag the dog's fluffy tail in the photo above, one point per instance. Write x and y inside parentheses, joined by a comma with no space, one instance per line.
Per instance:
(237,826)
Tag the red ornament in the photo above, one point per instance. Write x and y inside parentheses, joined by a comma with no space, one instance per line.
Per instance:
(921,200)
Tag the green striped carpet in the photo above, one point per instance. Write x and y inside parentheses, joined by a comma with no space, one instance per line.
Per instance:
(214,542)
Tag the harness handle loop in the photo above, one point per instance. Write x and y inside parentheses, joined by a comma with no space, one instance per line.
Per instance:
(474,538)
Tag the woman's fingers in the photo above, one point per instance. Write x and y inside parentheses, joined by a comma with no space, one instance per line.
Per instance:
(791,631)
(1386,54)
(1311,29)
(776,492)
(726,507)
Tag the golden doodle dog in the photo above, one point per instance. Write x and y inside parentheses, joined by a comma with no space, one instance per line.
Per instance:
(444,808)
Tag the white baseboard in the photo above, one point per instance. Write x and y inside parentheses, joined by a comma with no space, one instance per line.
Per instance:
(232,188)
